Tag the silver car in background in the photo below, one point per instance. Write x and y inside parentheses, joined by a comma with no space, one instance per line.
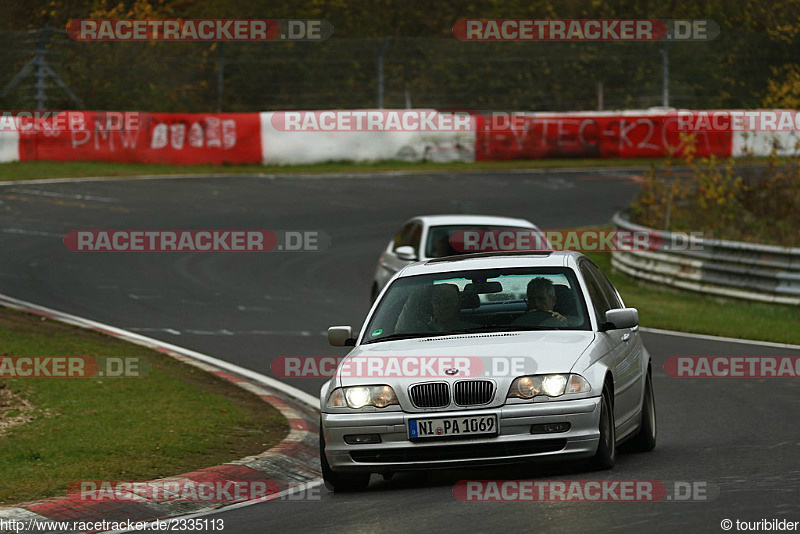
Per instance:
(562,370)
(428,237)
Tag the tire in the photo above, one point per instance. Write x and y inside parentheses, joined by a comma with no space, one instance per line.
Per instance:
(339,482)
(645,438)
(606,453)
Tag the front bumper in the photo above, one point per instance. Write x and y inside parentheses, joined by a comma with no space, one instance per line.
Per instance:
(514,442)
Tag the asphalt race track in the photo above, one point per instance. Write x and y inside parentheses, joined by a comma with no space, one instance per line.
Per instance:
(738,436)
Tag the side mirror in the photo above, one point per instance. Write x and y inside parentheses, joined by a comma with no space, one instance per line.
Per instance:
(341,336)
(405,253)
(621,318)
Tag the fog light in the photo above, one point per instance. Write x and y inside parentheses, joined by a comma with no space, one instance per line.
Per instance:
(361,439)
(550,428)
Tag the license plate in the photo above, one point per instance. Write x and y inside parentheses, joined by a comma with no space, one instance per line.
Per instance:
(443,427)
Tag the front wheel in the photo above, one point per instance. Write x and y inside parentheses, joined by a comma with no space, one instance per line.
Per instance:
(645,439)
(339,482)
(606,453)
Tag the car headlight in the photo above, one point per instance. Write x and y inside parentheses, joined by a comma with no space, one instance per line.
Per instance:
(528,387)
(553,385)
(360,396)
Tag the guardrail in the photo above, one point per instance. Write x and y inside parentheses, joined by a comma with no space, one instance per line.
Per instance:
(715,267)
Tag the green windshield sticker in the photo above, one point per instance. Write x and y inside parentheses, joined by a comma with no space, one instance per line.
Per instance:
(377,332)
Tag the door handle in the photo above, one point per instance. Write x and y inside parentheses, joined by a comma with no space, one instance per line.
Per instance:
(626,336)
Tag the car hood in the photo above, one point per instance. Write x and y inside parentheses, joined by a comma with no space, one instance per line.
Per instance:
(500,356)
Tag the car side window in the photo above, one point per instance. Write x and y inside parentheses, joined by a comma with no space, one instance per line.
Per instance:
(599,301)
(416,237)
(606,287)
(403,237)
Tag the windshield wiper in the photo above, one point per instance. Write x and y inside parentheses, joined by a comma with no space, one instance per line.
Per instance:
(476,330)
(504,328)
(408,335)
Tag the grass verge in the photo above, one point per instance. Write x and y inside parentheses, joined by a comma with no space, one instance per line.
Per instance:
(174,419)
(671,309)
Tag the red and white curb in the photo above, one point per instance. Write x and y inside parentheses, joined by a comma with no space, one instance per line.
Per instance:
(292,465)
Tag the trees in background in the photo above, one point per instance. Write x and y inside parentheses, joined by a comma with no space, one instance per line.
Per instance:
(752,63)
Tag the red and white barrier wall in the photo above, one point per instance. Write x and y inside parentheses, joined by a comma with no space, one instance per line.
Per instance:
(625,134)
(280,146)
(638,134)
(257,138)
(171,138)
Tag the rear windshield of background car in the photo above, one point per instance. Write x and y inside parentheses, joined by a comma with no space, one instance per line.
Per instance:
(438,244)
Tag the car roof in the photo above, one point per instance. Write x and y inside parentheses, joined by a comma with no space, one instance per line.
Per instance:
(446,220)
(492,260)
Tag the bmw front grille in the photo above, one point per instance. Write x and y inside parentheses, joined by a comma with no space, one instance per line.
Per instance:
(473,392)
(430,395)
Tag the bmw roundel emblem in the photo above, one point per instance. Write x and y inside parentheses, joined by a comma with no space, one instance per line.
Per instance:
(452,371)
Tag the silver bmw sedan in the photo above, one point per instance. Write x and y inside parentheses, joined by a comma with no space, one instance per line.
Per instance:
(487,358)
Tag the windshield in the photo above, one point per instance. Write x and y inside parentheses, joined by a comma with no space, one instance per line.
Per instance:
(439,237)
(479,301)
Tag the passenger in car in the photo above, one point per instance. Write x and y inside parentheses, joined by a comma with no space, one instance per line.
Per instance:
(416,312)
(442,247)
(446,302)
(541,301)
(435,308)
